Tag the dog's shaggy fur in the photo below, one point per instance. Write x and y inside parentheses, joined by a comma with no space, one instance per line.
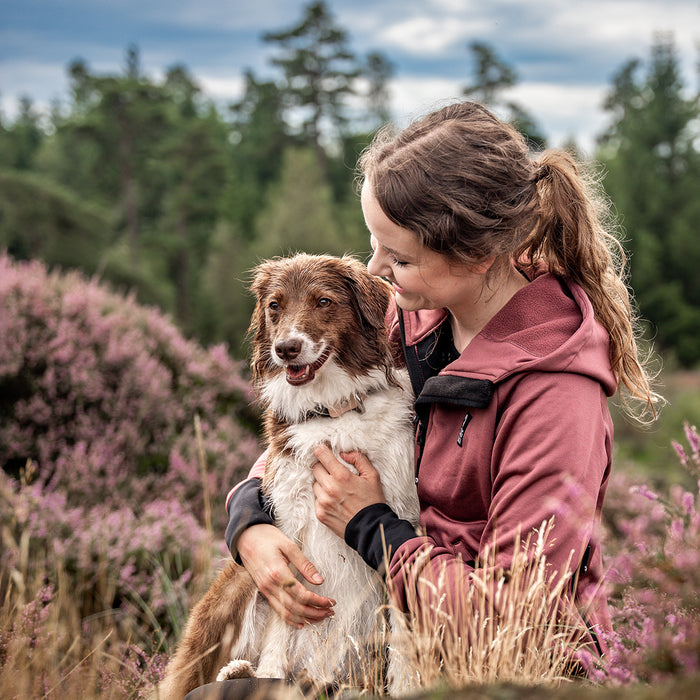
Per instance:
(323,369)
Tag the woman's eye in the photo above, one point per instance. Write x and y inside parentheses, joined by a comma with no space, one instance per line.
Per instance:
(398,263)
(325,301)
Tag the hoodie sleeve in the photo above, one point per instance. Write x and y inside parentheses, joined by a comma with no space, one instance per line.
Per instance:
(246,506)
(377,532)
(550,458)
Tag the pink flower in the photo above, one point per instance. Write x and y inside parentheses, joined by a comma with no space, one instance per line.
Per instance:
(643,490)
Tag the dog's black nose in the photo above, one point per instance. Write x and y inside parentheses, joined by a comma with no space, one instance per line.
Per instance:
(288,349)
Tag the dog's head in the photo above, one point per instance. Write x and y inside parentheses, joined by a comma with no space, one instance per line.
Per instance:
(310,308)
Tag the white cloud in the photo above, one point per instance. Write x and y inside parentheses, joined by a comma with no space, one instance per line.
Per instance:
(554,45)
(562,112)
(609,30)
(429,35)
(41,82)
(625,22)
(412,97)
(565,111)
(231,14)
(222,88)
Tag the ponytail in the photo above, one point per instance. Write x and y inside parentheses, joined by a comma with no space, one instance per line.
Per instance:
(571,238)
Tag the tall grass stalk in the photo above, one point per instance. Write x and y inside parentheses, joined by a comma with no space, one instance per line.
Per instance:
(201,458)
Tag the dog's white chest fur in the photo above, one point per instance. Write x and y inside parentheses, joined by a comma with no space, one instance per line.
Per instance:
(383,431)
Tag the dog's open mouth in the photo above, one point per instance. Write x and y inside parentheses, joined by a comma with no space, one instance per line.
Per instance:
(303,374)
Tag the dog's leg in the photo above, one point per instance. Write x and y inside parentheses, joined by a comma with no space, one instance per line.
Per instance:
(274,653)
(212,629)
(236,668)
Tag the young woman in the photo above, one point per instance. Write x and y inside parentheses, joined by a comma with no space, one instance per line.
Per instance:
(515,323)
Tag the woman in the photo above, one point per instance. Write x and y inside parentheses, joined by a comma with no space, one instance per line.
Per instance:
(516,327)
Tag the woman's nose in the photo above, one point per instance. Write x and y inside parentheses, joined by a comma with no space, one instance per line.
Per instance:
(375,266)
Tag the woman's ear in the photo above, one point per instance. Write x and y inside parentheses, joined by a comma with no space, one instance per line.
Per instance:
(483,266)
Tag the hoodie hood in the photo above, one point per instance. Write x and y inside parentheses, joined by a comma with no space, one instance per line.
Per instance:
(547,326)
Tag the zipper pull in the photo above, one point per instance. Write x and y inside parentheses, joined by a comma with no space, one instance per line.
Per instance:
(465,423)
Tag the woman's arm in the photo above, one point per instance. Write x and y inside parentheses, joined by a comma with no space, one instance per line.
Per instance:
(353,506)
(549,459)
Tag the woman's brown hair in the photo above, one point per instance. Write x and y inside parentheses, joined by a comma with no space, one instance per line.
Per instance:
(466,184)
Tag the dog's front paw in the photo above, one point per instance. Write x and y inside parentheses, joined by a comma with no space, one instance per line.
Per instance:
(238,668)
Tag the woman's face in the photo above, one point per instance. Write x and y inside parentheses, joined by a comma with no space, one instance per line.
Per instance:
(422,278)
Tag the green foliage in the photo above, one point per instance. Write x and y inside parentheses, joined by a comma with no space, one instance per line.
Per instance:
(647,450)
(378,70)
(260,137)
(298,215)
(653,164)
(225,304)
(20,141)
(40,219)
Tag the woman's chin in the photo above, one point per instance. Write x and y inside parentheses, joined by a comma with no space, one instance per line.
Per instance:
(406,303)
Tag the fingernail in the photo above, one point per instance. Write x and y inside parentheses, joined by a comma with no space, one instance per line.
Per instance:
(317,578)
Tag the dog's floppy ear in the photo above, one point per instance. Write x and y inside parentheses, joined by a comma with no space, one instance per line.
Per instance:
(260,282)
(372,294)
(260,278)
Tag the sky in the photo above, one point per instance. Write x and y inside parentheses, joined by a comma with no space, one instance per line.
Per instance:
(565,52)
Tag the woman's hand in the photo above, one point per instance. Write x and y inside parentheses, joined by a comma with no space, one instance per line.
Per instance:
(268,555)
(339,493)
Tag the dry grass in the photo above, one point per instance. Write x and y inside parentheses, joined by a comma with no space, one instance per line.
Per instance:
(515,630)
(47,650)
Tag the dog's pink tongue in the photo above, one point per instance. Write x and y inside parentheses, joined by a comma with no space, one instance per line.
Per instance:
(299,375)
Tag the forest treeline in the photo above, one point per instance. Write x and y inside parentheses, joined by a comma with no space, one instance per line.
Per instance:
(149,185)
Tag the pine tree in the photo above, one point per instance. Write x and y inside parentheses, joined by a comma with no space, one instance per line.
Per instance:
(653,177)
(117,120)
(299,215)
(20,141)
(319,70)
(378,70)
(260,136)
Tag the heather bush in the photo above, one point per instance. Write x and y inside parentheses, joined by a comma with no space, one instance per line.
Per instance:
(140,567)
(653,548)
(101,394)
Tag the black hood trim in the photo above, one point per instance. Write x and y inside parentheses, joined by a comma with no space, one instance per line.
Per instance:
(458,391)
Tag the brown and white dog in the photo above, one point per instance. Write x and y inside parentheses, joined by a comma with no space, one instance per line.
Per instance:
(323,370)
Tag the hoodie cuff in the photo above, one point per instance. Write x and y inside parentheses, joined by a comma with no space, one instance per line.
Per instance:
(375,530)
(246,507)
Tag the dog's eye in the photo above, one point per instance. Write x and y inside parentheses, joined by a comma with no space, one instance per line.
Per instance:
(273,306)
(325,301)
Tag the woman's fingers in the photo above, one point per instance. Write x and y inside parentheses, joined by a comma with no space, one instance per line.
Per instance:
(271,559)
